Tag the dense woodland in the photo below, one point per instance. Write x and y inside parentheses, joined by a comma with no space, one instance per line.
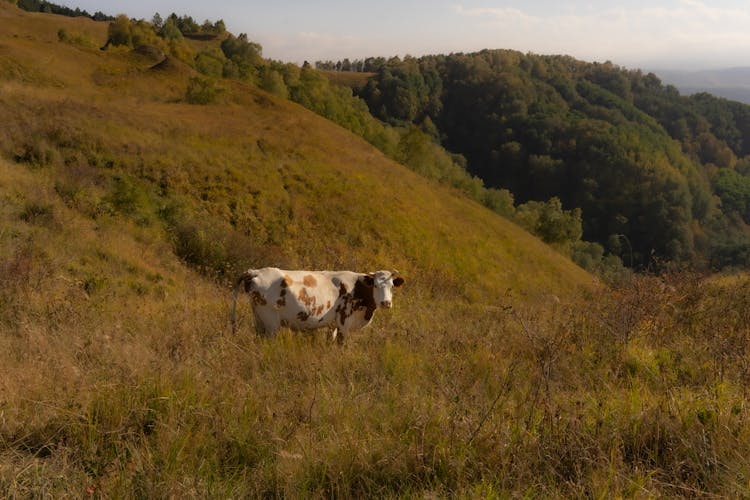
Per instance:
(657,175)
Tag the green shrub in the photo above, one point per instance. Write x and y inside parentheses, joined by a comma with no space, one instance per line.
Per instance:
(75,38)
(202,91)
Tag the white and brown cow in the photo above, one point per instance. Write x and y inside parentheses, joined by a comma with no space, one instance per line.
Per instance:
(306,300)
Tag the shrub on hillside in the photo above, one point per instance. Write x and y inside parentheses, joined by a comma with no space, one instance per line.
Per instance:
(75,38)
(550,222)
(202,90)
(209,64)
(130,198)
(272,81)
(38,212)
(211,245)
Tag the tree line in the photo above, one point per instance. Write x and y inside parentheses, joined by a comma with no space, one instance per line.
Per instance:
(367,65)
(669,174)
(52,8)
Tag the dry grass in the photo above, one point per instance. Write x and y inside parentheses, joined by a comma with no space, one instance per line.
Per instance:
(348,78)
(142,390)
(122,211)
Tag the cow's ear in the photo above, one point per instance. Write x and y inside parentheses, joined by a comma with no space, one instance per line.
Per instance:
(368,280)
(398,281)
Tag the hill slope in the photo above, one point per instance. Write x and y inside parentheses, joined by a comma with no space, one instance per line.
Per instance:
(121,204)
(106,125)
(667,172)
(124,210)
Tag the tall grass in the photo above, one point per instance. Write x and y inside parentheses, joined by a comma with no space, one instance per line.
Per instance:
(438,398)
(119,374)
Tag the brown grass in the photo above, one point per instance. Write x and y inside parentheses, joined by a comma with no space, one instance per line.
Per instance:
(137,386)
(124,210)
(348,78)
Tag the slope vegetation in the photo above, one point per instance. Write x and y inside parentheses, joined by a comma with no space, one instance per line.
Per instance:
(124,212)
(642,162)
(253,173)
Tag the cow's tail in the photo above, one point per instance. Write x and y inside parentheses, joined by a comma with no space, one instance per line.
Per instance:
(244,279)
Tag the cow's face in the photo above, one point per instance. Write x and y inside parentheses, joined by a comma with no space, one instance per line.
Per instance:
(382,284)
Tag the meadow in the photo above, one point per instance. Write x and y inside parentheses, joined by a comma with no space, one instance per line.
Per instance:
(502,370)
(140,389)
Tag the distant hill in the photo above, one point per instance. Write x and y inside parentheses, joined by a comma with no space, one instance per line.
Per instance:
(730,83)
(658,176)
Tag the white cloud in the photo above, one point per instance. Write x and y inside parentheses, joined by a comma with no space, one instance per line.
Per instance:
(499,14)
(690,29)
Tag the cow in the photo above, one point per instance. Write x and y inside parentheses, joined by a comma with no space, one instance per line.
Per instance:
(307,300)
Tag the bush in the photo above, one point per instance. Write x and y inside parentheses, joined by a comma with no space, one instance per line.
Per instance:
(272,81)
(209,64)
(119,32)
(550,222)
(211,245)
(587,254)
(202,91)
(75,38)
(130,199)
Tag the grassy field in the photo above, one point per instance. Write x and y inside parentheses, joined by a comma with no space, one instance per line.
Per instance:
(503,369)
(348,78)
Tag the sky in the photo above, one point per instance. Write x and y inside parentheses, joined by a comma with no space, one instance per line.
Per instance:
(655,34)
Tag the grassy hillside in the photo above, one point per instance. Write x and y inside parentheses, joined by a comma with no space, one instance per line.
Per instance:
(348,78)
(254,168)
(124,211)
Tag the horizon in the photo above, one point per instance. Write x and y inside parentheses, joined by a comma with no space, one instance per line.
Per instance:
(687,35)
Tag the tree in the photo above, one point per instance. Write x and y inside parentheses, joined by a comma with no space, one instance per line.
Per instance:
(272,81)
(119,32)
(157,21)
(550,222)
(169,30)
(202,90)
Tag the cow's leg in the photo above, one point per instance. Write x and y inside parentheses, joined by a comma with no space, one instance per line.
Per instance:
(266,323)
(341,335)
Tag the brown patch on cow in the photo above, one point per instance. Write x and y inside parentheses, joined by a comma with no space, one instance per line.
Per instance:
(341,311)
(364,298)
(257,298)
(328,305)
(287,281)
(310,281)
(319,310)
(303,315)
(306,299)
(282,297)
(343,303)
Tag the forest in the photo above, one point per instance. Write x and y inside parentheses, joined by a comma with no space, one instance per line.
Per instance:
(658,177)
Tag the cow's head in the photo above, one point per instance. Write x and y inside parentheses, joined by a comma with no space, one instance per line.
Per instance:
(382,284)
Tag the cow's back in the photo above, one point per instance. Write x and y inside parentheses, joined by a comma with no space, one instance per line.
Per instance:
(300,300)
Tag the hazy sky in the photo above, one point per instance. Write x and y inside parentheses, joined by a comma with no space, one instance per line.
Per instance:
(665,34)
